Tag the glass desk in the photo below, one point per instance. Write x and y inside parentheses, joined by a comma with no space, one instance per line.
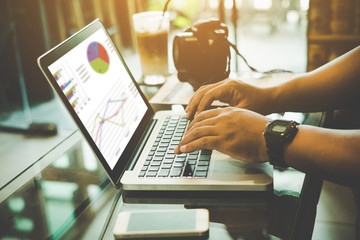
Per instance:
(67,195)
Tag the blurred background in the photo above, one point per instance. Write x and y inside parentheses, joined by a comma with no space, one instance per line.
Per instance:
(296,35)
(269,33)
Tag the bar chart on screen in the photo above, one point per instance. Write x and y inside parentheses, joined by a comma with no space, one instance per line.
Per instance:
(74,92)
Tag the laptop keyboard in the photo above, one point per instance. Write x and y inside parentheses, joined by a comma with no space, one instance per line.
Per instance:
(163,162)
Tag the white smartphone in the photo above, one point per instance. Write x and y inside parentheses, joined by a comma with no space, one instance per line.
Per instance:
(182,223)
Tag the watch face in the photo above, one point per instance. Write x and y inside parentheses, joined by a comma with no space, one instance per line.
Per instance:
(278,128)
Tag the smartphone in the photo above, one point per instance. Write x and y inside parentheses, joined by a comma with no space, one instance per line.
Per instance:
(182,223)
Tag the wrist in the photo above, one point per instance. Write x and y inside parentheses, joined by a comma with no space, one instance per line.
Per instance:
(271,103)
(262,150)
(263,155)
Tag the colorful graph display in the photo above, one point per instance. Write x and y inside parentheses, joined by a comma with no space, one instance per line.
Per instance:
(110,118)
(98,57)
(72,89)
(115,118)
(99,88)
(57,75)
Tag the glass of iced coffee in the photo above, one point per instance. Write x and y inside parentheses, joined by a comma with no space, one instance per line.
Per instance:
(151,29)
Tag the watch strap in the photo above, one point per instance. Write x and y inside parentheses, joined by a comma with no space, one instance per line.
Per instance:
(275,152)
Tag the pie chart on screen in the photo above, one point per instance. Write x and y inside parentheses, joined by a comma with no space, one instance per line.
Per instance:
(98,57)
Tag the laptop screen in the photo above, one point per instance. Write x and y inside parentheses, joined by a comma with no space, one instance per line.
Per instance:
(101,92)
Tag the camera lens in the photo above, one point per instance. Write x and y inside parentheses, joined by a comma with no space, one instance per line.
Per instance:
(185,48)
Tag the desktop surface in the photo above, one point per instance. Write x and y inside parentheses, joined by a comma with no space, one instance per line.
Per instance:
(66,194)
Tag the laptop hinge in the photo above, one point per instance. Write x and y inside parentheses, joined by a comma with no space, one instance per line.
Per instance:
(135,156)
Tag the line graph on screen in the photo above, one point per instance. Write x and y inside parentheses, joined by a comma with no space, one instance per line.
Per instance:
(116,119)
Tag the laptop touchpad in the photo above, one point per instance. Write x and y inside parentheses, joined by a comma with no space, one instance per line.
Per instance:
(224,167)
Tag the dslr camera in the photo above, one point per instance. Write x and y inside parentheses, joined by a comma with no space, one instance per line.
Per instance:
(202,53)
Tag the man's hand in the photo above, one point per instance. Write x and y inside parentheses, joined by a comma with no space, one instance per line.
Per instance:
(234,92)
(233,131)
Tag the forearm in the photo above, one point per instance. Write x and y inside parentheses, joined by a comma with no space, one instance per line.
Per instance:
(332,154)
(334,85)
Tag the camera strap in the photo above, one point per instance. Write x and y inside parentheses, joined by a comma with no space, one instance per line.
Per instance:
(252,68)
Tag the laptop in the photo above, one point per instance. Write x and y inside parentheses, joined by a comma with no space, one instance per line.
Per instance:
(134,144)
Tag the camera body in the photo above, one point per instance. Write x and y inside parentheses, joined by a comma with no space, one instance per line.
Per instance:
(202,54)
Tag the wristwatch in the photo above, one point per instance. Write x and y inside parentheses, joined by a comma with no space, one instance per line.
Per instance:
(277,134)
